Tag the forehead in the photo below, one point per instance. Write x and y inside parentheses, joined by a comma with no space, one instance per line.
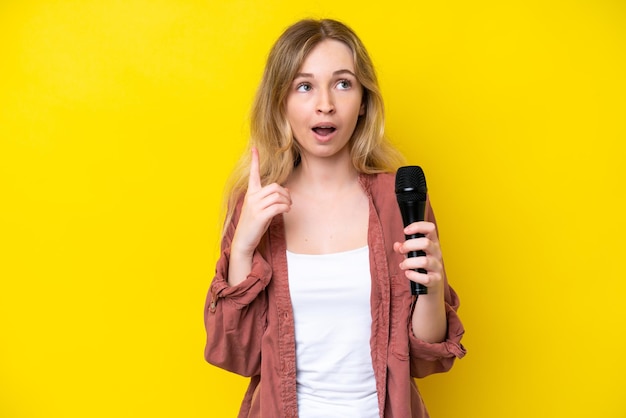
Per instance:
(328,55)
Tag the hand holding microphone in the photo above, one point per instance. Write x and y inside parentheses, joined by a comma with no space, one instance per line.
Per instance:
(423,264)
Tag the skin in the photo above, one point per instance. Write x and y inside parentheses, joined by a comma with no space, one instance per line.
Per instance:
(330,210)
(325,93)
(323,205)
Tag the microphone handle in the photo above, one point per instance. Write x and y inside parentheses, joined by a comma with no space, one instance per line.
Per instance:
(417,288)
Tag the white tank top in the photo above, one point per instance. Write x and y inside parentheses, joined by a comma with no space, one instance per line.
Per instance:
(330,294)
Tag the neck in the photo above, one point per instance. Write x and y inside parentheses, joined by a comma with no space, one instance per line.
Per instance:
(326,176)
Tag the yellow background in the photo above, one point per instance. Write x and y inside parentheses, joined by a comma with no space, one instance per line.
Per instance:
(120,119)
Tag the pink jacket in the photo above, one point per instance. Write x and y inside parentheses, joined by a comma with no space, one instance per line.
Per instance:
(250,327)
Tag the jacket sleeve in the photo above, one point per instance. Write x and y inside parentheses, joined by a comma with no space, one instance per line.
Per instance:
(429,358)
(234,316)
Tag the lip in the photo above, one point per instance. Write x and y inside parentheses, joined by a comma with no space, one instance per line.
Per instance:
(324,125)
(324,138)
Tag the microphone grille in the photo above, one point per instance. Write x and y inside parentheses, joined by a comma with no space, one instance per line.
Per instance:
(411,184)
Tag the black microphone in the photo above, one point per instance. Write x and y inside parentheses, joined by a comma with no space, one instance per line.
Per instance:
(411,194)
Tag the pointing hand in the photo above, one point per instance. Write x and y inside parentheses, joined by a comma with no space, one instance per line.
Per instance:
(260,205)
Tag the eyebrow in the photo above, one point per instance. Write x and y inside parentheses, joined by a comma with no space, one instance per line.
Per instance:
(335,73)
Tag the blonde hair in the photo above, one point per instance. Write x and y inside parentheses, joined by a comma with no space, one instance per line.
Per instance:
(270,131)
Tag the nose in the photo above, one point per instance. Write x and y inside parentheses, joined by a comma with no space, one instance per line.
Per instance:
(325,103)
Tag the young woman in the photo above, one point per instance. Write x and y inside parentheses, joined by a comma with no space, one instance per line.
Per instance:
(311,296)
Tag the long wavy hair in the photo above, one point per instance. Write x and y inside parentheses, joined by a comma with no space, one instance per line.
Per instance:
(270,131)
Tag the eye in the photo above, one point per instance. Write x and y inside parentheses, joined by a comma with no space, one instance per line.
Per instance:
(344,84)
(303,87)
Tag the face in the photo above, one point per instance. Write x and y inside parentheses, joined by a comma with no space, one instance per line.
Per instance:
(325,101)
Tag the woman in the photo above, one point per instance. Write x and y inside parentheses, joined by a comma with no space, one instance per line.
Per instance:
(310,297)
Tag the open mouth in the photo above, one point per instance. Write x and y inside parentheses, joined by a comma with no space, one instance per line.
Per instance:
(324,130)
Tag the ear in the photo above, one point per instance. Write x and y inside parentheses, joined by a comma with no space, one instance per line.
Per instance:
(362,109)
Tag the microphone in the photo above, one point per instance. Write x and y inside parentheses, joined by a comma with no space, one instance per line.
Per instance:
(411,195)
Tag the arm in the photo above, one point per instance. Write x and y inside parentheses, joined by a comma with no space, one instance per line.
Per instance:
(428,358)
(234,316)
(260,205)
(235,307)
(435,329)
(429,314)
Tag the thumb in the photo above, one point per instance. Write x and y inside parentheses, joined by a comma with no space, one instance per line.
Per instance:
(254,181)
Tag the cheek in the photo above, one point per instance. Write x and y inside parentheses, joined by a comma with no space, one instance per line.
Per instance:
(295,126)
(296,120)
(291,111)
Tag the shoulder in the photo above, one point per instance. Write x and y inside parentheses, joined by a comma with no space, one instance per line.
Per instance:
(381,188)
(385,180)
(379,183)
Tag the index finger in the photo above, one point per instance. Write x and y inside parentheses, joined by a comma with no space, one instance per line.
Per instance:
(422,227)
(254,181)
